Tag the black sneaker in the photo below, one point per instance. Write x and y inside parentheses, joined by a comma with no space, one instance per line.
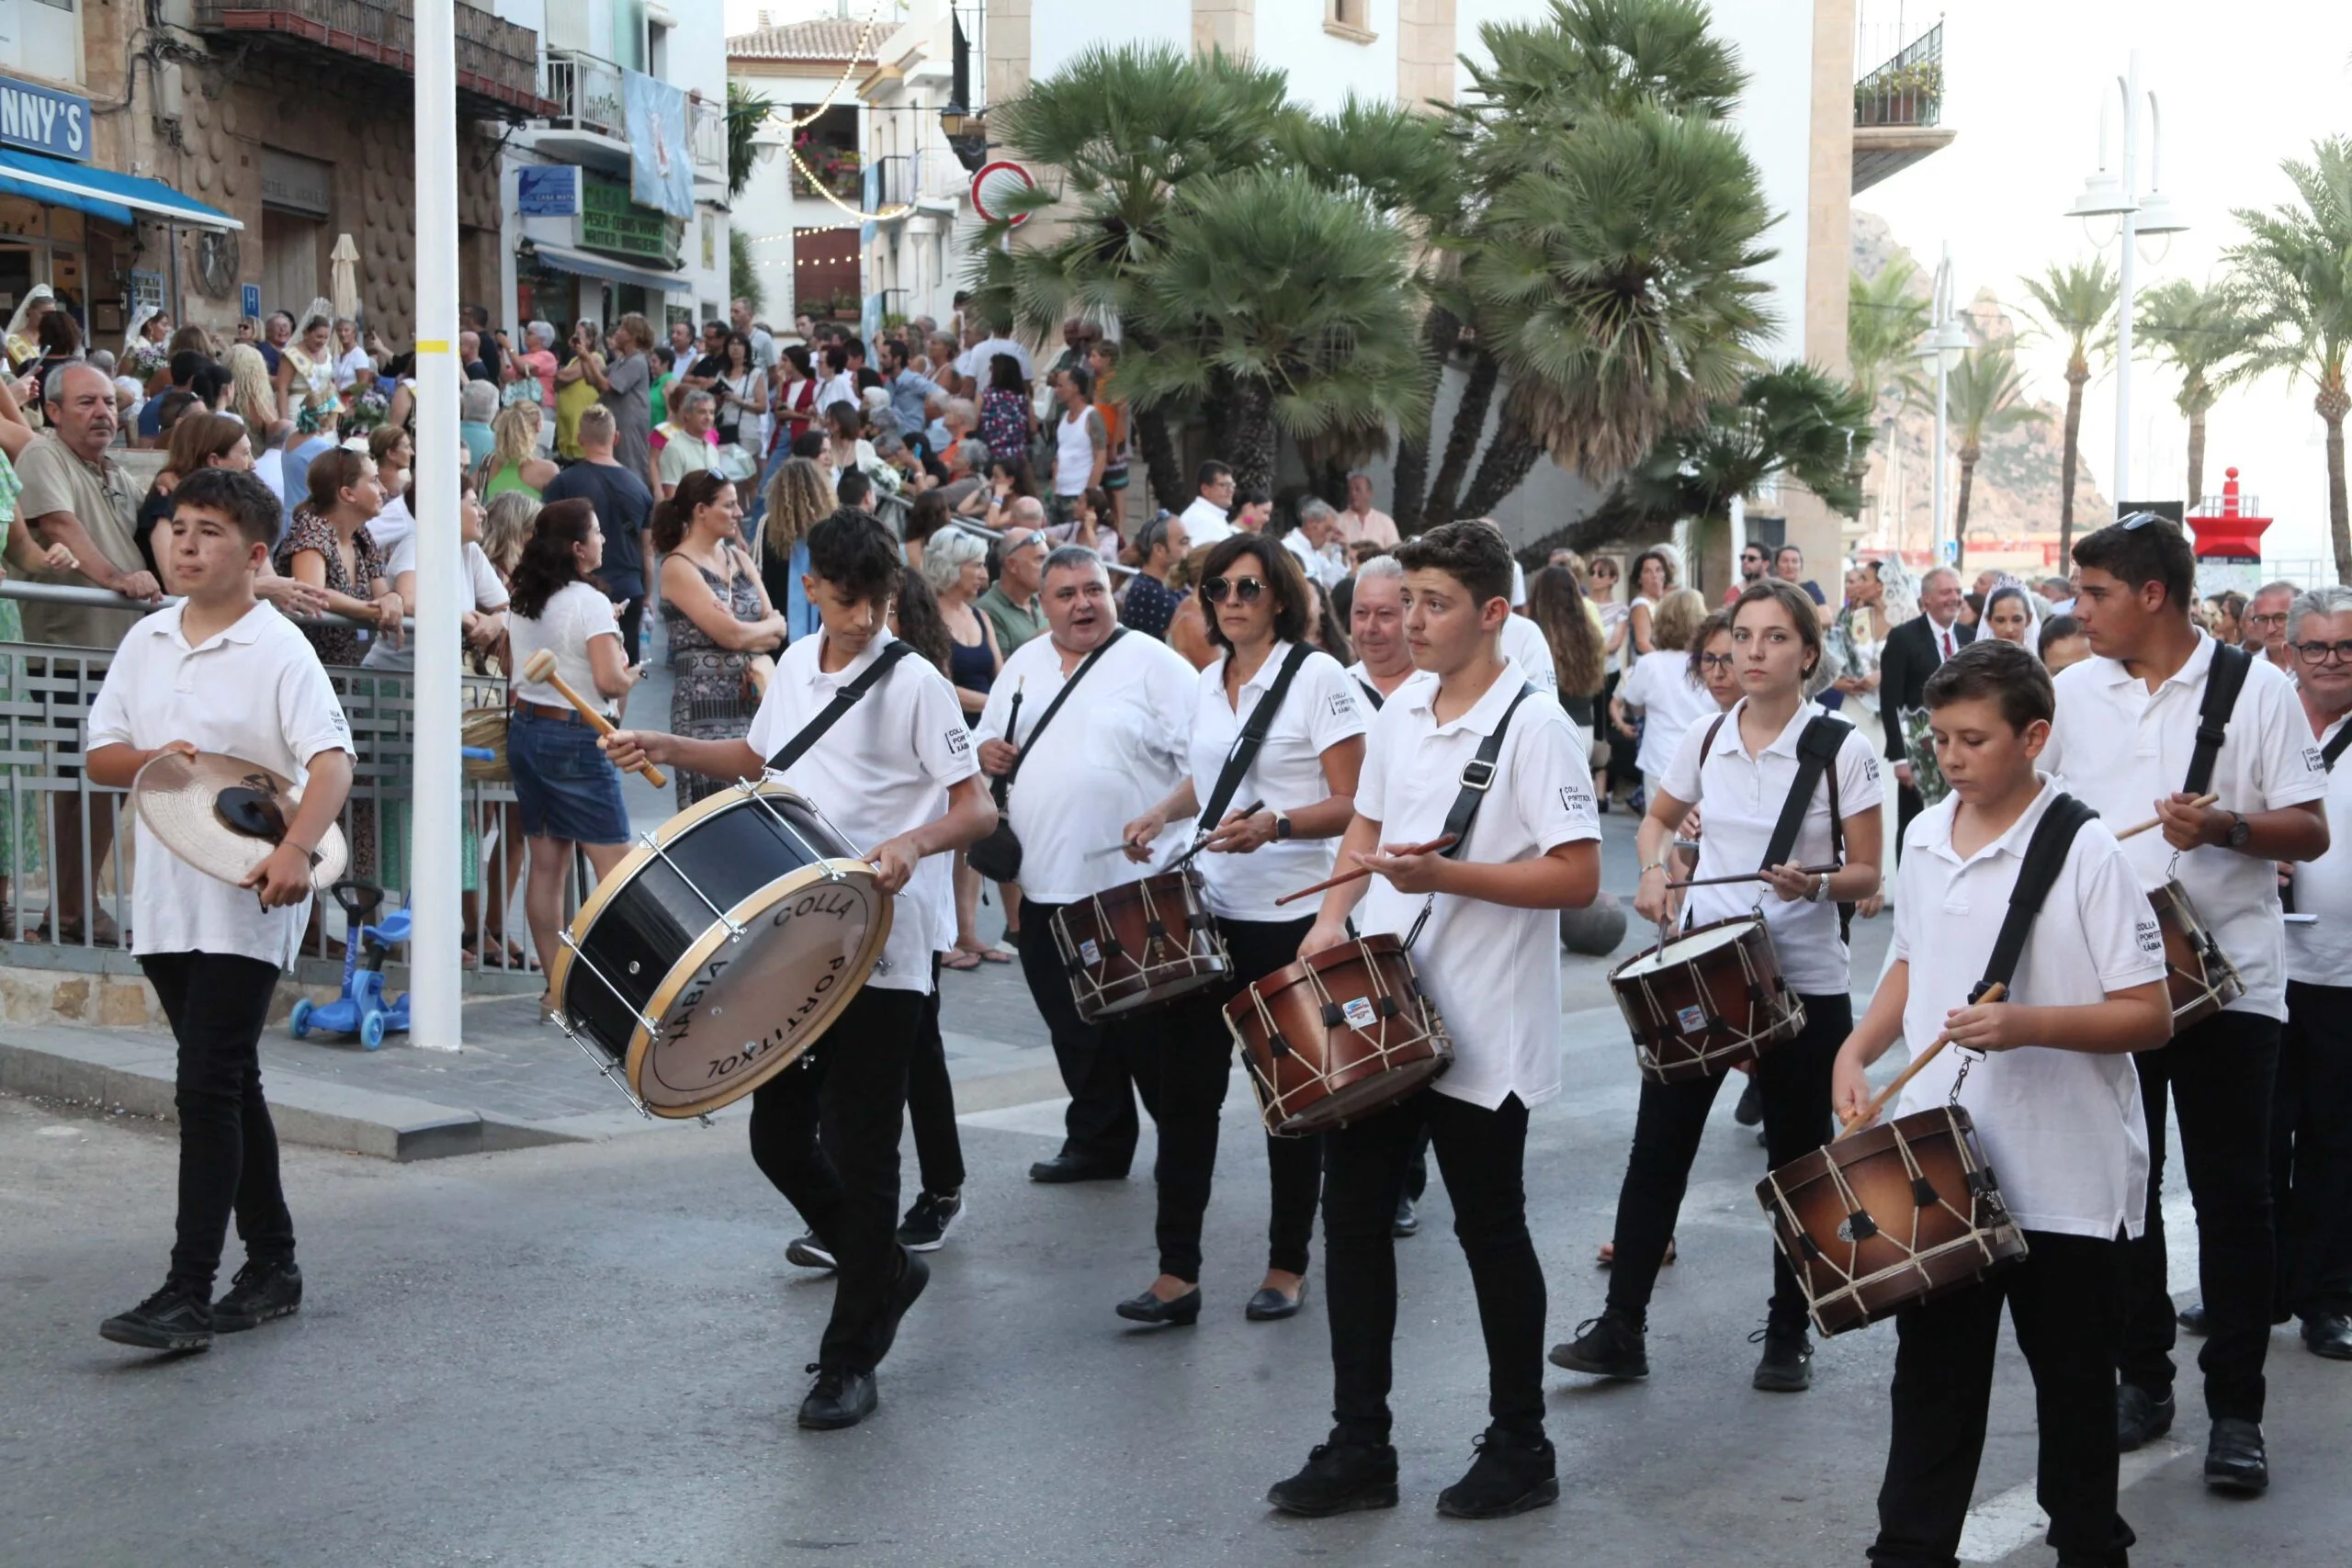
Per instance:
(1340,1478)
(2140,1417)
(259,1293)
(1750,1108)
(1605,1346)
(171,1319)
(840,1397)
(2234,1457)
(1407,1221)
(1511,1475)
(903,1296)
(1786,1366)
(925,1227)
(808,1252)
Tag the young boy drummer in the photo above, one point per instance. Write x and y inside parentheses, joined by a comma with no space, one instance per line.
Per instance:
(223,672)
(1489,958)
(896,773)
(2056,1105)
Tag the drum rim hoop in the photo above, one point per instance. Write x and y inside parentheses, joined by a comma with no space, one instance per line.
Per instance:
(1295,972)
(1632,959)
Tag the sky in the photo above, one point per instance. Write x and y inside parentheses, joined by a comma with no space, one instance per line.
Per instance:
(2239,88)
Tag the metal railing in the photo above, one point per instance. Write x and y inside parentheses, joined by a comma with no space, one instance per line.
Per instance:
(1908,89)
(587,93)
(707,135)
(501,58)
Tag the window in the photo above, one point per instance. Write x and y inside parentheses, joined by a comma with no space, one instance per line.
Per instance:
(1349,19)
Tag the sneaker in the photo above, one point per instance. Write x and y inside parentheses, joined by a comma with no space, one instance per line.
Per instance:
(2234,1457)
(925,1227)
(1511,1475)
(259,1293)
(1407,1221)
(1750,1108)
(842,1396)
(1340,1478)
(1786,1366)
(1605,1346)
(808,1252)
(171,1319)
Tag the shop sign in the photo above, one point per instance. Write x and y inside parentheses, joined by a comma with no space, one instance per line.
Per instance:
(610,221)
(296,184)
(42,119)
(548,190)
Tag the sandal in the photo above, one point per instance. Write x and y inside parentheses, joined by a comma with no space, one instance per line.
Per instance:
(970,960)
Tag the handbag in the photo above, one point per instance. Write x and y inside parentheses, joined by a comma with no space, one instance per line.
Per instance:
(998,856)
(734,462)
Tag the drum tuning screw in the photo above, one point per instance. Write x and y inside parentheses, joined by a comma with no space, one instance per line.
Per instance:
(632,966)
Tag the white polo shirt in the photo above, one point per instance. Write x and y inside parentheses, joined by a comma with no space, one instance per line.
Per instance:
(2119,749)
(884,769)
(1317,567)
(1366,686)
(2319,952)
(2062,1130)
(1739,797)
(255,691)
(1113,751)
(1493,971)
(1671,703)
(1205,525)
(1525,645)
(1322,708)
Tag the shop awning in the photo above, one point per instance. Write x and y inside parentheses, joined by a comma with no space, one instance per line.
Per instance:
(585,263)
(102,192)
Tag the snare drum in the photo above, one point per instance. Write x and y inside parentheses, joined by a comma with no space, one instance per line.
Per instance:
(1337,1035)
(1903,1211)
(1706,1001)
(720,949)
(2200,976)
(1139,944)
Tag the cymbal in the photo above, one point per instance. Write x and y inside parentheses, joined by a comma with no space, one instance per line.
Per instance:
(223,814)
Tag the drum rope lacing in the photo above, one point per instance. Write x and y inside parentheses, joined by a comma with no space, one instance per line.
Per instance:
(1275,1099)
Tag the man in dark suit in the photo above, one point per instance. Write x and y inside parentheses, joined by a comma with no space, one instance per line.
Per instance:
(1912,652)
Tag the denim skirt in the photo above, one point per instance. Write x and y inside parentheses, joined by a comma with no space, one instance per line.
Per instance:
(563,786)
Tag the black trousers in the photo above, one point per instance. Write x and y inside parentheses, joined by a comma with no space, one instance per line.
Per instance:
(1908,803)
(218,1003)
(1101,1126)
(826,1131)
(1794,1078)
(931,1102)
(1182,1060)
(1481,1154)
(2065,1302)
(632,623)
(2310,1153)
(2218,1076)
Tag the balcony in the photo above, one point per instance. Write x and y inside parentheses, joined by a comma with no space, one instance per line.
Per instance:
(587,123)
(932,179)
(498,62)
(1898,111)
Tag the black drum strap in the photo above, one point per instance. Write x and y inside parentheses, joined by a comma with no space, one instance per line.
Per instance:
(1816,754)
(1021,747)
(2045,855)
(1253,737)
(1372,695)
(1477,778)
(2335,749)
(843,700)
(2223,680)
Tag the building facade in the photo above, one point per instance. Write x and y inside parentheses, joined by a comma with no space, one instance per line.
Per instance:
(803,206)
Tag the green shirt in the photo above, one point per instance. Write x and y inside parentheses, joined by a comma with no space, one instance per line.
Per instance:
(1014,624)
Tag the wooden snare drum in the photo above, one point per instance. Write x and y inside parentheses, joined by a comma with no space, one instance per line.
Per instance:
(2198,973)
(1706,1001)
(1900,1212)
(1139,944)
(1337,1035)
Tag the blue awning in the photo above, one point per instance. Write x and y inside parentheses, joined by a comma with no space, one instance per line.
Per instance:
(102,192)
(584,265)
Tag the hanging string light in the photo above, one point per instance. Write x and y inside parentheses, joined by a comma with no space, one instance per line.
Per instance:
(863,50)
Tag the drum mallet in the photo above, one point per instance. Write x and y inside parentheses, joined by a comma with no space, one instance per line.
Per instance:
(539,670)
(1993,993)
(2203,800)
(1753,877)
(1444,842)
(1181,862)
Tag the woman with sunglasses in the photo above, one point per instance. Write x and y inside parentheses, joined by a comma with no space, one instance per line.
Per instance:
(1299,795)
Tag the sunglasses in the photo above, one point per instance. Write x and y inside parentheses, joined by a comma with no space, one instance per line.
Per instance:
(1245,590)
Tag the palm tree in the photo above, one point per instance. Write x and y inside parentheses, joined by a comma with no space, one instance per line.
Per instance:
(745,113)
(2077,302)
(1985,390)
(2203,332)
(1884,319)
(2296,266)
(1292,301)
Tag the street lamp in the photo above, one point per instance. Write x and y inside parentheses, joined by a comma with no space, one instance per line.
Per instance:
(2153,214)
(1944,341)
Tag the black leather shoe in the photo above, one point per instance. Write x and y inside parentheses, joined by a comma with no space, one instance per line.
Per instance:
(1340,1478)
(260,1291)
(2329,1333)
(1062,1169)
(1750,1108)
(1148,1308)
(2235,1460)
(1269,1304)
(2191,1319)
(903,1295)
(842,1396)
(171,1319)
(1511,1475)
(2140,1416)
(1605,1346)
(1786,1366)
(1408,1219)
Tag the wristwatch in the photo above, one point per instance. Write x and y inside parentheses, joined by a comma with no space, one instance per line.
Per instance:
(2241,831)
(1281,825)
(1820,889)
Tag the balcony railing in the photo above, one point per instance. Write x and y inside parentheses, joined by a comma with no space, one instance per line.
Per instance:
(587,93)
(1908,90)
(498,62)
(835,168)
(930,175)
(707,135)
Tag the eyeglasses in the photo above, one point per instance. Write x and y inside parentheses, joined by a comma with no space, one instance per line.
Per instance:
(2320,652)
(1714,662)
(2278,620)
(1246,590)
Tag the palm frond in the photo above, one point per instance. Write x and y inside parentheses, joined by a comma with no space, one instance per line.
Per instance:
(2074,303)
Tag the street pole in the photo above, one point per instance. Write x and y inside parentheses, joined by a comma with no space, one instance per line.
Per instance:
(1943,309)
(436,847)
(2122,480)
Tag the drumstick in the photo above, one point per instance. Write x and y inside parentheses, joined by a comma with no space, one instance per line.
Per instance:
(1432,847)
(1753,877)
(539,669)
(2159,821)
(1185,859)
(1993,993)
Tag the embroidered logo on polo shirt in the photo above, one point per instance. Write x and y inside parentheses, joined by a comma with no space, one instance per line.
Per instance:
(959,740)
(2313,759)
(2149,935)
(1576,800)
(1869,769)
(1342,705)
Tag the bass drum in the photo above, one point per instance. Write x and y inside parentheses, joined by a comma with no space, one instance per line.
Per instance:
(720,949)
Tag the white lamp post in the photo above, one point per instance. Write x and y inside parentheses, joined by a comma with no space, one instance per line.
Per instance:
(2118,196)
(1944,341)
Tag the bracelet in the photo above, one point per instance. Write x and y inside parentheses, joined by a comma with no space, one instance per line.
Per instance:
(1654,866)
